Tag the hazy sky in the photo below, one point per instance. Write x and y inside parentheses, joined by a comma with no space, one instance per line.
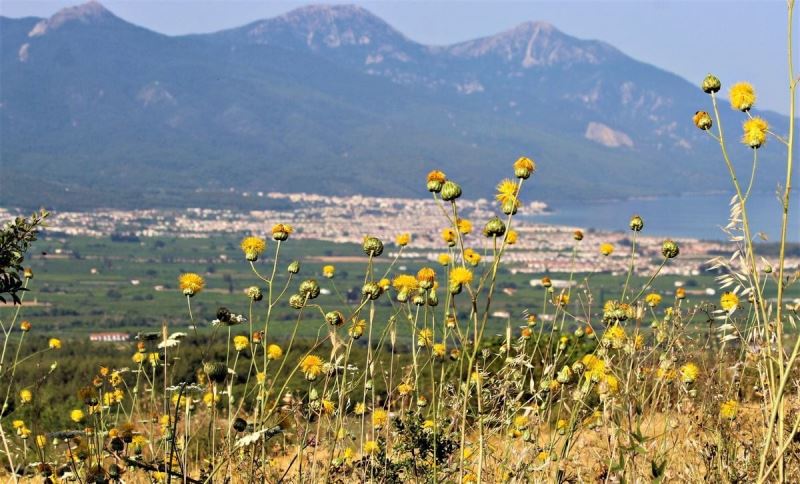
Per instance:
(737,40)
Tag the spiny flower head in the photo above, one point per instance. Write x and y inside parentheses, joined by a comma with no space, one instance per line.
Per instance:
(729,301)
(405,283)
(689,372)
(191,283)
(614,336)
(311,366)
(426,277)
(404,389)
(524,167)
(77,415)
(606,248)
(253,247)
(507,192)
(281,231)
(755,132)
(425,337)
(702,120)
(360,408)
(379,418)
(371,447)
(240,342)
(743,96)
(458,277)
(356,330)
(403,239)
(729,409)
(435,181)
(439,350)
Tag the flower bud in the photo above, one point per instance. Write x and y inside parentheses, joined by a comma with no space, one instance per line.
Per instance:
(636,224)
(433,299)
(670,249)
(711,84)
(254,293)
(450,191)
(418,300)
(702,120)
(309,288)
(435,181)
(578,235)
(371,290)
(524,167)
(297,301)
(25,326)
(510,206)
(294,267)
(494,228)
(28,273)
(372,246)
(546,282)
(217,372)
(334,318)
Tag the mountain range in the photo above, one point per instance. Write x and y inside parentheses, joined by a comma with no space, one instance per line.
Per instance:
(98,112)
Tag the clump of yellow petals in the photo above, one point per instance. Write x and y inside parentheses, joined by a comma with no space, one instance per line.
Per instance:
(240,342)
(379,418)
(54,344)
(755,132)
(328,271)
(449,235)
(444,259)
(311,366)
(405,283)
(511,237)
(729,409)
(403,239)
(606,248)
(614,337)
(425,338)
(191,283)
(274,352)
(473,258)
(460,275)
(507,192)
(742,96)
(729,301)
(689,372)
(652,299)
(371,447)
(464,226)
(253,247)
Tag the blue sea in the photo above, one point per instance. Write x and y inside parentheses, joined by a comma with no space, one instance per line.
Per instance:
(697,216)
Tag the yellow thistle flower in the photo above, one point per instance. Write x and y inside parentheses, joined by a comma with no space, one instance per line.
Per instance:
(507,192)
(439,350)
(115,379)
(191,283)
(371,447)
(511,237)
(282,232)
(425,338)
(652,299)
(460,275)
(54,344)
(449,236)
(261,377)
(77,415)
(25,396)
(521,422)
(253,247)
(138,358)
(240,342)
(606,248)
(729,301)
(356,329)
(328,271)
(41,441)
(384,283)
(328,407)
(666,374)
(524,167)
(18,424)
(472,257)
(426,277)
(360,408)
(404,389)
(311,366)
(274,352)
(444,259)
(464,226)
(743,96)
(379,418)
(153,358)
(614,337)
(403,239)
(755,132)
(729,409)
(210,399)
(428,424)
(680,293)
(689,372)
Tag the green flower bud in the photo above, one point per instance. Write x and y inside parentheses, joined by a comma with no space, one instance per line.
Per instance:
(450,191)
(371,290)
(702,120)
(433,299)
(372,246)
(418,300)
(294,267)
(217,372)
(334,318)
(510,207)
(297,301)
(494,228)
(254,293)
(636,224)
(670,249)
(711,84)
(309,288)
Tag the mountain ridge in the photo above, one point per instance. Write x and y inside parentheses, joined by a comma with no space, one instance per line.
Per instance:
(93,103)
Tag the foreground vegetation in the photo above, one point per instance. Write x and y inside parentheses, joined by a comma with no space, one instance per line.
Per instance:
(411,378)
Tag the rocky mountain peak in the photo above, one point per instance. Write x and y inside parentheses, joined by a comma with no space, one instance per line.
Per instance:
(91,12)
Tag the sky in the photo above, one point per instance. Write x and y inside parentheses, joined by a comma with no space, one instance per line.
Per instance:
(736,40)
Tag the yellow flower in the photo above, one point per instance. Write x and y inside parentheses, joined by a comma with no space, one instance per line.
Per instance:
(449,236)
(507,192)
(614,337)
(328,407)
(379,418)
(524,167)
(253,247)
(729,409)
(444,259)
(403,239)
(729,301)
(360,408)
(439,350)
(240,342)
(25,396)
(606,248)
(210,399)
(425,337)
(153,358)
(261,377)
(653,299)
(77,415)
(426,277)
(689,372)
(18,424)
(311,366)
(460,275)
(356,329)
(115,379)
(191,283)
(472,257)
(666,374)
(464,226)
(404,389)
(511,237)
(328,271)
(274,352)
(281,232)
(755,132)
(405,283)
(743,96)
(54,343)
(138,358)
(41,441)
(436,176)
(520,422)
(371,447)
